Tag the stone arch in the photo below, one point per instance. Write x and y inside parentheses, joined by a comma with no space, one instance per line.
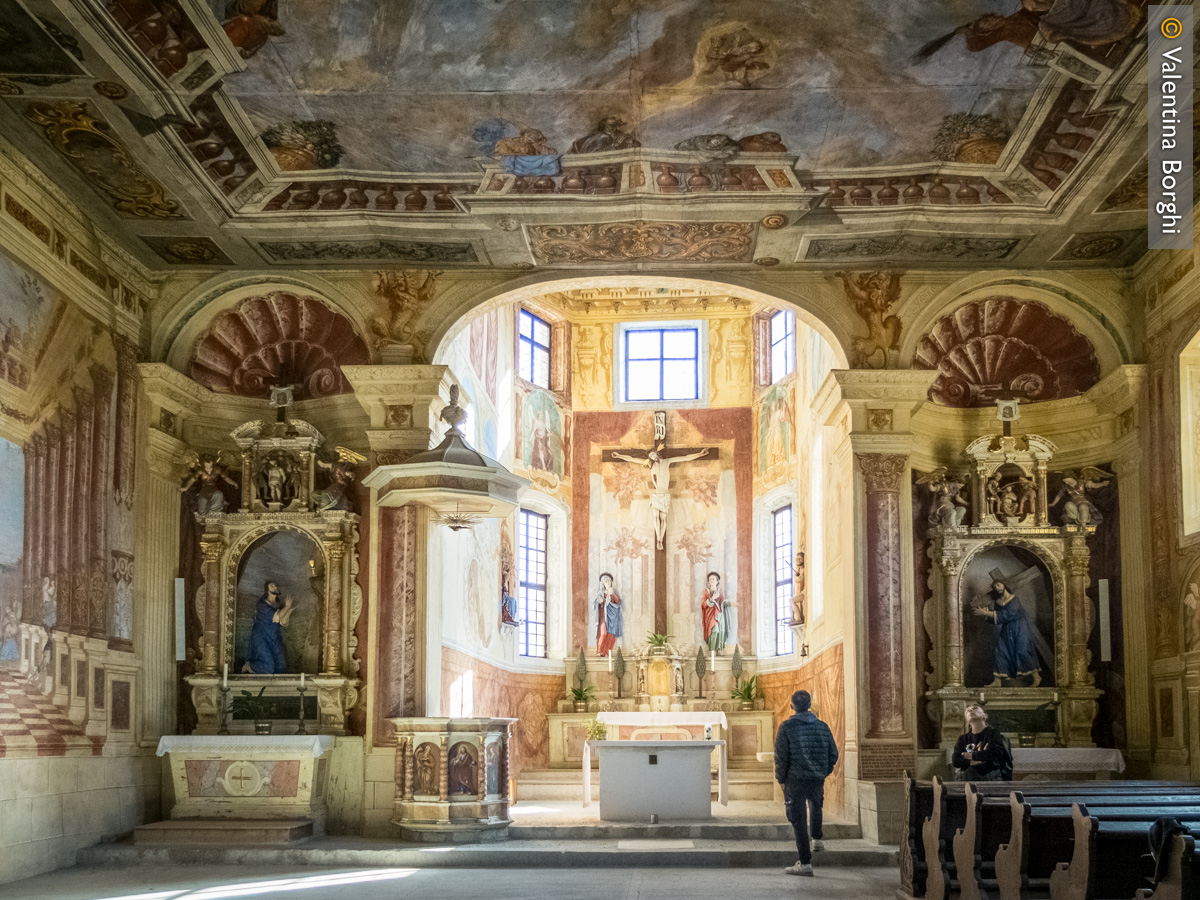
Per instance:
(455,312)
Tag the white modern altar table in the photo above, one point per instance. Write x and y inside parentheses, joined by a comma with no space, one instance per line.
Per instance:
(668,779)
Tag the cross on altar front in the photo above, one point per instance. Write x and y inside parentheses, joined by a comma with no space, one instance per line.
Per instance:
(659,459)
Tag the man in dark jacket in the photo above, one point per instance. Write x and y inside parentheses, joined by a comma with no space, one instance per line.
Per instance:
(805,754)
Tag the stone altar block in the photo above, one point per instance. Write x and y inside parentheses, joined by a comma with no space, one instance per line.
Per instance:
(248,778)
(668,779)
(452,779)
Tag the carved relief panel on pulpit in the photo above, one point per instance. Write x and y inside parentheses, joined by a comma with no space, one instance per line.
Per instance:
(1010,616)
(279,598)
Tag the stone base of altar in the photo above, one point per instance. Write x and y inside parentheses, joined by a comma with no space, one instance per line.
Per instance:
(226,832)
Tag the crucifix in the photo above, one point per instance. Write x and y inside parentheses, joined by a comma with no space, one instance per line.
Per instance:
(658,459)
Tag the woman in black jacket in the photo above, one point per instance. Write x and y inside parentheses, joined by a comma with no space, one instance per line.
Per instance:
(982,753)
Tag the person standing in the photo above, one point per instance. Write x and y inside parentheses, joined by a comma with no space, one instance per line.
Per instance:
(982,753)
(805,755)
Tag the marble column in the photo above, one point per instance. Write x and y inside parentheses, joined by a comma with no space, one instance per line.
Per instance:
(98,616)
(208,606)
(65,500)
(335,554)
(884,625)
(1136,605)
(48,519)
(1083,617)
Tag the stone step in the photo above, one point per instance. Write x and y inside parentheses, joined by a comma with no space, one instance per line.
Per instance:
(234,832)
(333,851)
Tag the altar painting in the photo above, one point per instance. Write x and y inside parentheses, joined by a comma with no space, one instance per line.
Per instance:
(12,525)
(294,563)
(1017,644)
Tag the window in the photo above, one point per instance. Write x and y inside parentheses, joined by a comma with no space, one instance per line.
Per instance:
(783,345)
(662,364)
(531,570)
(784,581)
(533,349)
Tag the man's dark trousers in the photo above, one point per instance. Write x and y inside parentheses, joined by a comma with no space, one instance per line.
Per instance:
(802,799)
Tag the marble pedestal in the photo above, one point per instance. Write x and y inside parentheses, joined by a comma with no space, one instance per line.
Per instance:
(243,777)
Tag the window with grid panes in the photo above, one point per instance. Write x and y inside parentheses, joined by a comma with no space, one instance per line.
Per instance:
(531,573)
(662,364)
(784,636)
(533,349)
(783,345)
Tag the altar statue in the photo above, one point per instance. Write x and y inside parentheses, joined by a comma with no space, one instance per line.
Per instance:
(268,655)
(508,603)
(209,471)
(1015,656)
(715,613)
(1079,510)
(608,616)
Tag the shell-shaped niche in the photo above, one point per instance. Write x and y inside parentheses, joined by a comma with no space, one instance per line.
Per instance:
(998,345)
(278,339)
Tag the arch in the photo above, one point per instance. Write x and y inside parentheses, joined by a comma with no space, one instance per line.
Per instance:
(1111,339)
(191,315)
(451,321)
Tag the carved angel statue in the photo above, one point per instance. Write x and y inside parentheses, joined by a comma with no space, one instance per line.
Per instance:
(949,507)
(209,471)
(1078,509)
(338,495)
(405,291)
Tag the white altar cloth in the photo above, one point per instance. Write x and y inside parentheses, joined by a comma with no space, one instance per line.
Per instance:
(722,760)
(316,744)
(689,717)
(630,787)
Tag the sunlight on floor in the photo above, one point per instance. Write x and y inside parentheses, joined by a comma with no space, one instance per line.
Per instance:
(254,888)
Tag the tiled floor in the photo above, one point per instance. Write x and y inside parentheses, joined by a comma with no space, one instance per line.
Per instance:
(219,883)
(32,725)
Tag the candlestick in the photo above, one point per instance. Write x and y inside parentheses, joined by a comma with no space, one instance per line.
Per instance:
(224,710)
(610,661)
(225,676)
(714,663)
(301,729)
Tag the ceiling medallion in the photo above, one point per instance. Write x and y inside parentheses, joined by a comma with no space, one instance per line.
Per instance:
(774,221)
(766,261)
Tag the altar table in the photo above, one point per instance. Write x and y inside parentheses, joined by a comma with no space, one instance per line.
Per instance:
(667,779)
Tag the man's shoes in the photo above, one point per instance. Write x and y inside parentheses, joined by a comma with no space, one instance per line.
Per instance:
(818,846)
(800,869)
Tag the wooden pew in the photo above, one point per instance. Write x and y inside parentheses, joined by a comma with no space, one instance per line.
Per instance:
(1181,881)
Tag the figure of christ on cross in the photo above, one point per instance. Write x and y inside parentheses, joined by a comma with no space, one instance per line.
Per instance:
(658,459)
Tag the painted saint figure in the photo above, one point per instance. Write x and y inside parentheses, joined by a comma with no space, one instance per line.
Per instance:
(715,613)
(660,484)
(1015,656)
(268,655)
(608,616)
(462,771)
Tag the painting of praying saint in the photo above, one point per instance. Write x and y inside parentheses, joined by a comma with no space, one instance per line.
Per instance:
(543,448)
(276,626)
(776,428)
(716,613)
(1008,636)
(12,531)
(607,604)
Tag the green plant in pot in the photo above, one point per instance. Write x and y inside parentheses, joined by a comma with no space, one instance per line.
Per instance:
(256,707)
(658,643)
(746,691)
(582,696)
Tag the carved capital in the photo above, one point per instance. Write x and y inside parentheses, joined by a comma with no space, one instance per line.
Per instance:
(127,356)
(335,551)
(1077,566)
(212,550)
(102,382)
(882,471)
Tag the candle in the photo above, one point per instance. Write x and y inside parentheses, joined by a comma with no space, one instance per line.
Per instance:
(714,663)
(301,680)
(610,662)
(225,676)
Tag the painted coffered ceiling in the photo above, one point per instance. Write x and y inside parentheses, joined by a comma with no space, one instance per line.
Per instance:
(635,134)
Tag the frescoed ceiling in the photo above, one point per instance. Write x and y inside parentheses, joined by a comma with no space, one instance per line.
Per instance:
(474,132)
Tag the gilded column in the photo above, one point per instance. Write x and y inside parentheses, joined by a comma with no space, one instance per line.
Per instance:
(120,526)
(883,671)
(81,511)
(335,576)
(1083,617)
(102,382)
(951,578)
(208,605)
(66,482)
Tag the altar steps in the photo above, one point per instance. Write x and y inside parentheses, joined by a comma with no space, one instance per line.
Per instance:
(236,832)
(567,784)
(518,854)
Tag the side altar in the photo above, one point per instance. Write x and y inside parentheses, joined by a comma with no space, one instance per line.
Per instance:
(1010,618)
